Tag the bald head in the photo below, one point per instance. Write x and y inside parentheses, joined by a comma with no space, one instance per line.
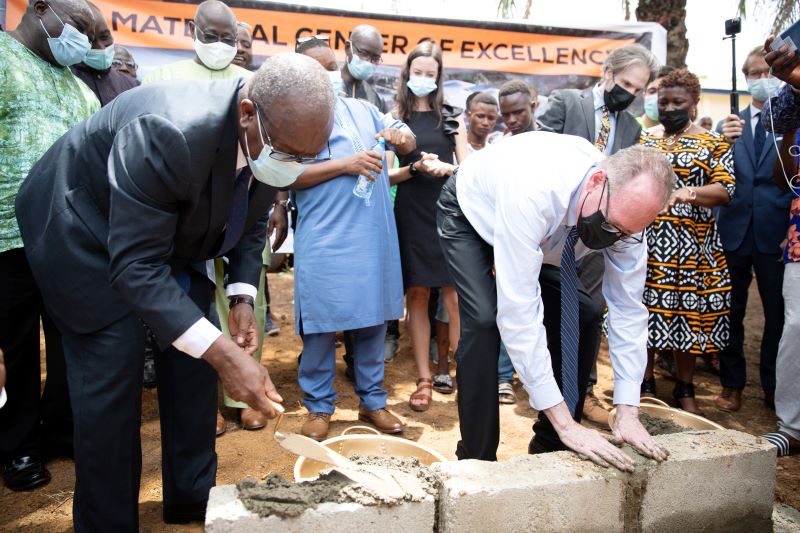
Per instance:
(47,19)
(215,12)
(323,55)
(364,33)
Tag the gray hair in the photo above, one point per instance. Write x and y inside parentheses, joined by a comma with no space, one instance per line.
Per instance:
(631,54)
(286,80)
(629,163)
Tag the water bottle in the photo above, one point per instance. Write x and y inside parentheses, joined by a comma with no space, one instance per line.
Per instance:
(364,185)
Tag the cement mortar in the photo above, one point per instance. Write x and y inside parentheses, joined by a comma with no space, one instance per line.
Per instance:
(660,426)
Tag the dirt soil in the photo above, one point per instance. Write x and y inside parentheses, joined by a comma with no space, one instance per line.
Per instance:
(255,454)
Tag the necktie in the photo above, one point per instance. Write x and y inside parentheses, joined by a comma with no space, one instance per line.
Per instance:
(238,214)
(759,137)
(569,322)
(605,128)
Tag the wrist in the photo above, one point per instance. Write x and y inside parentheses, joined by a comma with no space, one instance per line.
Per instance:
(280,203)
(412,168)
(241,299)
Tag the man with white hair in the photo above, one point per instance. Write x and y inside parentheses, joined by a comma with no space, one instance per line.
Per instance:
(495,214)
(113,215)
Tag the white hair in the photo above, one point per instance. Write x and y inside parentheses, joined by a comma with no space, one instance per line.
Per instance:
(629,163)
(286,80)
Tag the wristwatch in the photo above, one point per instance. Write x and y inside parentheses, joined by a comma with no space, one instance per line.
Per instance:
(241,299)
(412,169)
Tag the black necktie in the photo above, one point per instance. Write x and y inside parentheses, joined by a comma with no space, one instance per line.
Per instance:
(759,137)
(238,215)
(569,322)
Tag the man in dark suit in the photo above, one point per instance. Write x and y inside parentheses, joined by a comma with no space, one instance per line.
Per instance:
(598,115)
(752,227)
(113,215)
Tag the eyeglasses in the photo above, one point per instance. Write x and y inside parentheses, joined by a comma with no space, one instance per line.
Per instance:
(309,38)
(209,38)
(119,63)
(375,59)
(611,228)
(284,157)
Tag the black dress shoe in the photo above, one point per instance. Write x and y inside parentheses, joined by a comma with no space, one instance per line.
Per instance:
(185,513)
(25,473)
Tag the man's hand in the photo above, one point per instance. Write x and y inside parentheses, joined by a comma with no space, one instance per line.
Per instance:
(587,442)
(431,165)
(403,139)
(784,66)
(628,429)
(278,221)
(243,327)
(732,127)
(244,379)
(363,164)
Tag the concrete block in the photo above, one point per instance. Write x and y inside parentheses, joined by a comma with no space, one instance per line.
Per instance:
(785,519)
(551,492)
(226,514)
(713,481)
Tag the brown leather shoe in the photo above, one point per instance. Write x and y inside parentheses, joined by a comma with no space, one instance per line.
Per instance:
(729,399)
(593,411)
(220,424)
(381,419)
(252,419)
(316,426)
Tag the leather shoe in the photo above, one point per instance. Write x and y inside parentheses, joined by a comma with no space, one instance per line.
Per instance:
(252,419)
(185,513)
(25,473)
(729,399)
(593,411)
(381,419)
(220,424)
(316,426)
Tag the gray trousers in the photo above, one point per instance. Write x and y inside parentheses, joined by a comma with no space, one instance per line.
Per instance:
(590,272)
(787,391)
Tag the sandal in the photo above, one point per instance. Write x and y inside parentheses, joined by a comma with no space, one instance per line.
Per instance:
(783,442)
(505,393)
(443,383)
(422,384)
(682,391)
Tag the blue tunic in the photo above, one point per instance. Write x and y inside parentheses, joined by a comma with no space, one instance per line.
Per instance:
(347,261)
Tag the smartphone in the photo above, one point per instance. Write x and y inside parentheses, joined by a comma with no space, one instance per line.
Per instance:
(790,38)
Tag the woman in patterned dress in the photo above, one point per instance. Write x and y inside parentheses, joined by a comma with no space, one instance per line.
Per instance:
(687,290)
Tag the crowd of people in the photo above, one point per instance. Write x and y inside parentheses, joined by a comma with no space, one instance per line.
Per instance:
(135,224)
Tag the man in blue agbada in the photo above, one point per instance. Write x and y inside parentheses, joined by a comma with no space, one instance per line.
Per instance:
(347,260)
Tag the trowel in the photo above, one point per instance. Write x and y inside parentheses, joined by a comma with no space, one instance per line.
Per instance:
(376,479)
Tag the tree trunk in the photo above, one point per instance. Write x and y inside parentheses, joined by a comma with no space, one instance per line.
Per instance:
(672,15)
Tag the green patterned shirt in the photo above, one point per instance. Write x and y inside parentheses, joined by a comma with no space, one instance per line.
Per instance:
(38,104)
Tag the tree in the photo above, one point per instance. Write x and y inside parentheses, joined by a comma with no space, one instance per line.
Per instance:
(671,14)
(506,8)
(783,12)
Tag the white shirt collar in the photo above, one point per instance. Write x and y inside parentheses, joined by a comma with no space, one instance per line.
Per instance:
(598,95)
(754,111)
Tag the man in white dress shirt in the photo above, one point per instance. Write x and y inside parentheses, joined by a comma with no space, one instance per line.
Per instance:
(517,217)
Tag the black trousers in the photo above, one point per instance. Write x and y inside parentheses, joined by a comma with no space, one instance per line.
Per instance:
(769,277)
(32,421)
(105,378)
(469,260)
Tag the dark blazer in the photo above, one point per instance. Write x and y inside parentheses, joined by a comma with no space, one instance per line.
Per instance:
(757,199)
(571,111)
(137,191)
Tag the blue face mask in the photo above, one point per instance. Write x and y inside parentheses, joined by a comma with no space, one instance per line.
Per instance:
(100,59)
(70,47)
(651,106)
(336,82)
(421,85)
(359,68)
(268,170)
(762,89)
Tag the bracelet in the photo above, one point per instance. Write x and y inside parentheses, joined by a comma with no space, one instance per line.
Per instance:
(241,299)
(282,203)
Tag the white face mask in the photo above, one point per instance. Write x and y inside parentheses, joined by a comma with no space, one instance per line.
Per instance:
(268,170)
(336,81)
(215,56)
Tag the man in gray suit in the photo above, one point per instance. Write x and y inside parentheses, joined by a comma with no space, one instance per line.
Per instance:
(113,215)
(598,115)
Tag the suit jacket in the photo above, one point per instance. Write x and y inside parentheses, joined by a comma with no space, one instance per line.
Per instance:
(757,200)
(139,190)
(571,111)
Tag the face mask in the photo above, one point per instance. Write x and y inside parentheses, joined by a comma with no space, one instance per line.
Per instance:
(100,59)
(336,81)
(617,98)
(651,107)
(70,47)
(270,171)
(360,69)
(590,229)
(215,56)
(421,86)
(762,89)
(674,120)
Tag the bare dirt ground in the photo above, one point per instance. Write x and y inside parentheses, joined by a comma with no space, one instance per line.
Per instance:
(244,453)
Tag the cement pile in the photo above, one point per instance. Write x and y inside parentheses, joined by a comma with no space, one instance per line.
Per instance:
(660,426)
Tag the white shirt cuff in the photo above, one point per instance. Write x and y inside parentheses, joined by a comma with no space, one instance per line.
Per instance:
(3,396)
(196,340)
(545,395)
(246,289)
(627,393)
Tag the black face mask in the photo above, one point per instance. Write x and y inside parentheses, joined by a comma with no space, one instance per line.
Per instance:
(674,120)
(590,229)
(617,98)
